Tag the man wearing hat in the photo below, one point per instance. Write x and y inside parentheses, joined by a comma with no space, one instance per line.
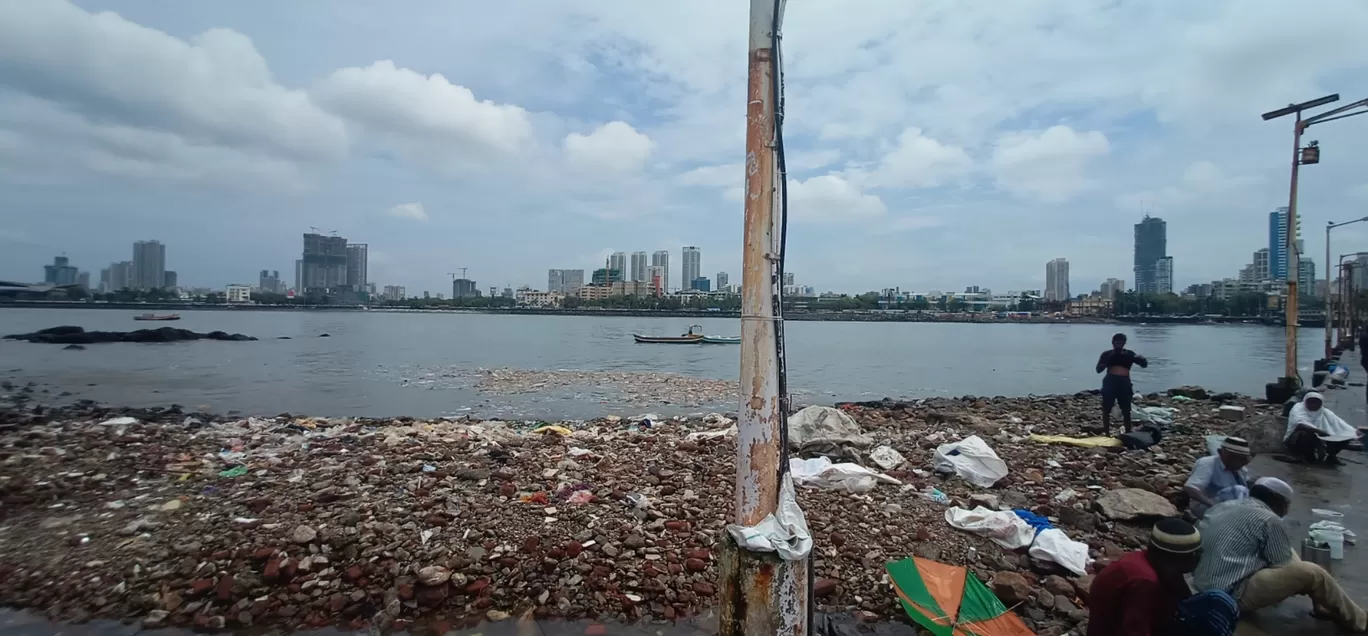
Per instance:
(1248,554)
(1220,477)
(1140,593)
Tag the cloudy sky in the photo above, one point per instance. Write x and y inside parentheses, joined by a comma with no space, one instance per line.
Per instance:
(932,144)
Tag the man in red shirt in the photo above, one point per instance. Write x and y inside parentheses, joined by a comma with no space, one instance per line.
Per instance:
(1138,595)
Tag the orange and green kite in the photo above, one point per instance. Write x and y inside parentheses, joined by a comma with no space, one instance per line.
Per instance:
(949,601)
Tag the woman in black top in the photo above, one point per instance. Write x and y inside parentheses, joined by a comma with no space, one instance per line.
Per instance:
(1116,385)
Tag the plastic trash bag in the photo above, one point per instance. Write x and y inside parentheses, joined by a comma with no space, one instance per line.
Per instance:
(1157,415)
(787,533)
(819,472)
(886,458)
(972,460)
(1054,545)
(825,425)
(1002,526)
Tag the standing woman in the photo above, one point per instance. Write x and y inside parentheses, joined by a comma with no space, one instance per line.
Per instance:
(1116,384)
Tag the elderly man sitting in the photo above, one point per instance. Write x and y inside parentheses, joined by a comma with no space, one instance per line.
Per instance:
(1218,478)
(1315,434)
(1248,554)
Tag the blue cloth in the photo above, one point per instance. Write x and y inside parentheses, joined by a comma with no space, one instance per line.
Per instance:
(1034,520)
(1211,613)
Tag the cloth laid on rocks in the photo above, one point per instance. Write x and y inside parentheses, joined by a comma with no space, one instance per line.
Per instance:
(820,472)
(1051,544)
(1004,528)
(1034,520)
(973,460)
(1086,442)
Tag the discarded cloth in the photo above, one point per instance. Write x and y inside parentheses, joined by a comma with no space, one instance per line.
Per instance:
(1034,520)
(886,458)
(1086,442)
(786,533)
(819,472)
(819,425)
(971,459)
(559,430)
(1158,415)
(1053,545)
(1004,528)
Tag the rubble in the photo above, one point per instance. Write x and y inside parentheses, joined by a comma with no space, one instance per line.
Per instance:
(378,523)
(619,388)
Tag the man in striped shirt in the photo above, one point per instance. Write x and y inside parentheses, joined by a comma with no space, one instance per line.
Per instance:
(1248,554)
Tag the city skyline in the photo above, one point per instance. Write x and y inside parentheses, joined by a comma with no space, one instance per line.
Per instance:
(1024,147)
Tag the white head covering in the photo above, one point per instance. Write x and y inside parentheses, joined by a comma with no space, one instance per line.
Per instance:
(1332,428)
(1276,485)
(1313,395)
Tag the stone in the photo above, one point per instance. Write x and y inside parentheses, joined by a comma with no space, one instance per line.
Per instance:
(1083,587)
(1194,392)
(823,588)
(1058,585)
(495,616)
(1125,504)
(1076,519)
(304,535)
(1064,605)
(1231,413)
(695,565)
(1011,588)
(635,541)
(1044,599)
(434,575)
(984,499)
(155,619)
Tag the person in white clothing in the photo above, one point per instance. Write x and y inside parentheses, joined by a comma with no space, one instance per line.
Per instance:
(1315,434)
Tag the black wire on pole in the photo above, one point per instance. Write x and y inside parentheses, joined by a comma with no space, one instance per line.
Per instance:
(777,88)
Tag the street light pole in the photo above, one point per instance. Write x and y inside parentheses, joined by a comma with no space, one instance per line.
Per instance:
(1330,225)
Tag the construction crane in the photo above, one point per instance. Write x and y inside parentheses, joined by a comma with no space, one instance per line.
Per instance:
(453,274)
(319,230)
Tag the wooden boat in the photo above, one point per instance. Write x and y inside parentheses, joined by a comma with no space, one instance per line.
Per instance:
(691,337)
(721,339)
(156,317)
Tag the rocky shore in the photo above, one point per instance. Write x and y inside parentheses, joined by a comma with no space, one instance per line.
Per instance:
(170,518)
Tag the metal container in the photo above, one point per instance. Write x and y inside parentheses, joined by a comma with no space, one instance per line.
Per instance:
(1318,553)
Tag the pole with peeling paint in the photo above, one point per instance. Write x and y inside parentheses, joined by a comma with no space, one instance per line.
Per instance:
(761,593)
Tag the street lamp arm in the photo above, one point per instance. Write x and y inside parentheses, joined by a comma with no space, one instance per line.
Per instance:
(1337,113)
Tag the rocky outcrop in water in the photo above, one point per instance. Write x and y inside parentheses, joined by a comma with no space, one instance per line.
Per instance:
(78,336)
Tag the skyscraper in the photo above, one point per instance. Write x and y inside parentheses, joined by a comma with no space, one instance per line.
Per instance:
(1112,287)
(655,275)
(1277,243)
(324,264)
(170,280)
(789,278)
(1151,245)
(618,261)
(356,266)
(464,288)
(693,266)
(149,265)
(564,281)
(722,281)
(1057,280)
(1306,277)
(60,272)
(661,259)
(1262,268)
(639,266)
(1163,275)
(269,282)
(120,276)
(83,280)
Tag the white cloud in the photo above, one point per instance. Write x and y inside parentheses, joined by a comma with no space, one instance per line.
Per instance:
(614,147)
(411,211)
(1201,183)
(1049,165)
(832,199)
(424,112)
(914,223)
(919,161)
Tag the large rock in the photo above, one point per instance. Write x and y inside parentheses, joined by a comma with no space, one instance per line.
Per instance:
(1132,503)
(1194,392)
(1011,588)
(1264,433)
(79,336)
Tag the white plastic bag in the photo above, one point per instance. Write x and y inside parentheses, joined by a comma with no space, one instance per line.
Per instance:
(819,472)
(972,460)
(786,534)
(886,457)
(1005,528)
(1054,545)
(825,425)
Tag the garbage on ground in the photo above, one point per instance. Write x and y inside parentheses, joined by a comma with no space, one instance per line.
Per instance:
(1084,442)
(785,533)
(1055,546)
(820,472)
(974,610)
(935,495)
(1034,520)
(638,500)
(1326,513)
(1004,528)
(1158,415)
(581,497)
(236,471)
(559,430)
(972,460)
(719,434)
(826,431)
(886,458)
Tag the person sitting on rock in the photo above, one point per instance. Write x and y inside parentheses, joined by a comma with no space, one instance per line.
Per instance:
(1315,434)
(1220,477)
(1116,385)
(1139,594)
(1248,555)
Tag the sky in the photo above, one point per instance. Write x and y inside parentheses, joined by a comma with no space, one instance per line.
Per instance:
(932,145)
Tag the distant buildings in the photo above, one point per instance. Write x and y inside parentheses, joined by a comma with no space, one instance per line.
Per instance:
(324,264)
(656,275)
(116,277)
(1263,264)
(700,284)
(1057,280)
(83,280)
(149,265)
(1111,288)
(464,288)
(788,278)
(565,282)
(1163,275)
(639,265)
(1151,245)
(269,281)
(1306,276)
(238,293)
(170,280)
(395,292)
(722,281)
(618,261)
(60,272)
(661,259)
(693,266)
(1278,255)
(357,257)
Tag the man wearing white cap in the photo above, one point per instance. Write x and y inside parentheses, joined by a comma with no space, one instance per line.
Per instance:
(1248,555)
(1220,477)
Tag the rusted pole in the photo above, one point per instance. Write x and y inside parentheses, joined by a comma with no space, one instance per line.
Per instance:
(1293,259)
(761,593)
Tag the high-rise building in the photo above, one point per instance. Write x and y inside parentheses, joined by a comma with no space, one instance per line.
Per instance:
(1057,280)
(395,292)
(120,276)
(789,279)
(60,272)
(1262,268)
(299,276)
(1112,287)
(1151,245)
(700,284)
(655,275)
(356,266)
(324,264)
(269,281)
(618,261)
(661,259)
(564,281)
(104,281)
(149,265)
(721,281)
(693,266)
(170,280)
(1278,256)
(83,280)
(1306,277)
(1163,276)
(464,288)
(639,266)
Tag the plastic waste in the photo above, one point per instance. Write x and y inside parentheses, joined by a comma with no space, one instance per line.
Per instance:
(236,471)
(559,430)
(700,435)
(429,468)
(1004,528)
(785,533)
(1053,545)
(935,495)
(820,472)
(120,421)
(581,497)
(1157,415)
(886,457)
(638,500)
(971,459)
(825,425)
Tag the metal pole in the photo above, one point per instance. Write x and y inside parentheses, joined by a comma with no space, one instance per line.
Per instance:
(1293,263)
(761,594)
(1328,345)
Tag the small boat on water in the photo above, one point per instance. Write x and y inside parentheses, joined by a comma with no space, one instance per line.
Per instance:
(691,337)
(721,339)
(156,317)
